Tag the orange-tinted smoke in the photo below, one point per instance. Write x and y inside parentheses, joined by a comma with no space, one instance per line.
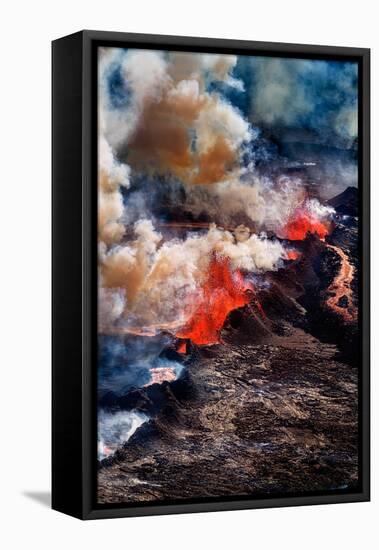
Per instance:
(214,164)
(162,141)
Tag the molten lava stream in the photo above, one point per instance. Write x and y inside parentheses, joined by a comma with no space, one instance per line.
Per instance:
(222,292)
(341,287)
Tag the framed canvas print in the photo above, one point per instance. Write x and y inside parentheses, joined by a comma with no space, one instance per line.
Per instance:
(210,274)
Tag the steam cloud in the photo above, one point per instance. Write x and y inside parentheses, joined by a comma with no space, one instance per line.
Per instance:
(116,428)
(316,94)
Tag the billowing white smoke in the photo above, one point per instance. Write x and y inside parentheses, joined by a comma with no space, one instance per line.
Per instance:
(145,75)
(112,175)
(319,211)
(267,205)
(161,280)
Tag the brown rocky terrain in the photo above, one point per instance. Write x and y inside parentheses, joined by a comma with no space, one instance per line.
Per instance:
(245,419)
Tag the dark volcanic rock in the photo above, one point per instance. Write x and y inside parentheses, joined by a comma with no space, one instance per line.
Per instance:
(247,324)
(346,203)
(151,399)
(256,419)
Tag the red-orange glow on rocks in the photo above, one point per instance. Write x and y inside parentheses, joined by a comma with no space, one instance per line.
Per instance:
(222,292)
(182,348)
(292,254)
(301,224)
(160,375)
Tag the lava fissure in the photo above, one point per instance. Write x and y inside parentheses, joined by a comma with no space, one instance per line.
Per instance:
(222,292)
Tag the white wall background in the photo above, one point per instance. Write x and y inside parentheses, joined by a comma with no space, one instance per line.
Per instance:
(27,27)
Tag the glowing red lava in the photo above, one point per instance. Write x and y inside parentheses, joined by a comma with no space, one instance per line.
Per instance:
(182,348)
(292,254)
(301,224)
(222,292)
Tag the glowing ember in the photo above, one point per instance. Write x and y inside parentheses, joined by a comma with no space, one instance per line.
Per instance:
(292,254)
(301,224)
(182,348)
(341,288)
(222,292)
(161,374)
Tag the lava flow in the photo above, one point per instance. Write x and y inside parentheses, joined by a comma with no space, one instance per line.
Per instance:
(222,292)
(341,288)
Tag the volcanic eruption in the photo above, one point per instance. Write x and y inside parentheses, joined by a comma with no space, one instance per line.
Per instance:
(228,281)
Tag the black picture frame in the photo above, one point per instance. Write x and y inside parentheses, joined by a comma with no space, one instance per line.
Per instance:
(74,294)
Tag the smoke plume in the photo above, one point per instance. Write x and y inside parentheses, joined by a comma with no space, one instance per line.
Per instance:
(168,137)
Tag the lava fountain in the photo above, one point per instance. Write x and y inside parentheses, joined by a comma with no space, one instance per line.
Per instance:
(223,291)
(303,223)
